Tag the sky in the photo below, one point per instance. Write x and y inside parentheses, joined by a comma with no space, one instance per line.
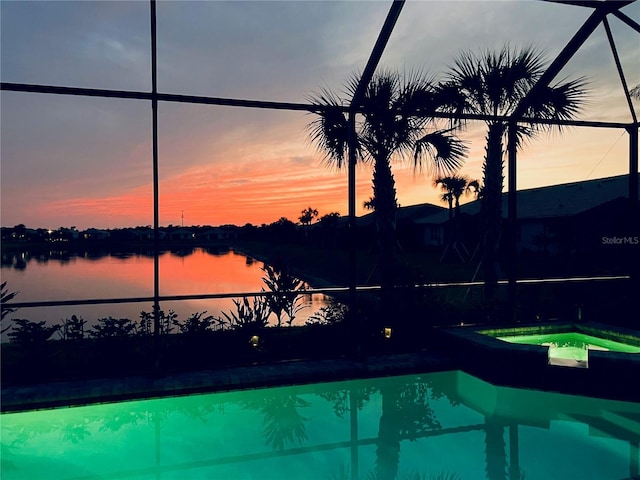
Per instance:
(87,162)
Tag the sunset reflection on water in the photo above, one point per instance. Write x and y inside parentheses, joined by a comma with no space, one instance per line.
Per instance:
(191,271)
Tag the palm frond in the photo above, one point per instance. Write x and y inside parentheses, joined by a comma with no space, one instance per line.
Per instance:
(562,101)
(330,130)
(6,296)
(445,152)
(450,98)
(494,82)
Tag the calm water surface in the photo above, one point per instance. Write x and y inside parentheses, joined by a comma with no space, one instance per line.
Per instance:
(445,425)
(195,271)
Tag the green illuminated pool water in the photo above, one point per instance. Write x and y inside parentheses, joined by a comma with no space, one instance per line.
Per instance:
(407,427)
(571,345)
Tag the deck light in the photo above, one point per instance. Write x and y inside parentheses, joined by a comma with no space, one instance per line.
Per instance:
(254,341)
(387,332)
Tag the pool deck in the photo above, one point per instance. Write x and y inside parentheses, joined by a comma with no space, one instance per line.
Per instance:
(61,394)
(610,374)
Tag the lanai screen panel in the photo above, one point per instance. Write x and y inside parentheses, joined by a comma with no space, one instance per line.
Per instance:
(99,44)
(431,35)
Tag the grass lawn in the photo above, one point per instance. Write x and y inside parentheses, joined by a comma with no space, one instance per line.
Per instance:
(331,266)
(597,300)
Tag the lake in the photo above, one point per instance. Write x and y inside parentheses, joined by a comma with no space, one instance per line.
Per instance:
(194,271)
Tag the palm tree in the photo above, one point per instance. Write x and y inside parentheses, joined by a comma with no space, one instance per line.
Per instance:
(395,114)
(475,187)
(369,204)
(447,196)
(307,215)
(453,187)
(497,84)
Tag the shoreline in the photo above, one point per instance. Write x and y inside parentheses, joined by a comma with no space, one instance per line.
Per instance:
(312,280)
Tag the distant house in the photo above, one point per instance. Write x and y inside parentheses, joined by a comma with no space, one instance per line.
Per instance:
(64,234)
(217,234)
(403,214)
(409,234)
(435,228)
(143,234)
(181,234)
(558,218)
(96,234)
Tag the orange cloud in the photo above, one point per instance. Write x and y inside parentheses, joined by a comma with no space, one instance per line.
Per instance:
(260,189)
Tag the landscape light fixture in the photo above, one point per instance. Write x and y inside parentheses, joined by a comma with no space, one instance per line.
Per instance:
(387,332)
(254,341)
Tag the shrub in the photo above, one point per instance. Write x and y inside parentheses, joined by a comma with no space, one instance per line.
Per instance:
(6,296)
(330,314)
(166,321)
(254,316)
(284,291)
(72,328)
(110,327)
(31,333)
(197,324)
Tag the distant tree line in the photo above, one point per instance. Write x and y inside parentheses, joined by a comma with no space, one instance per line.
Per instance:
(328,230)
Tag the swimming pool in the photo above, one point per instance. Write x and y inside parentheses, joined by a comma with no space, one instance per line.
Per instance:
(445,423)
(568,348)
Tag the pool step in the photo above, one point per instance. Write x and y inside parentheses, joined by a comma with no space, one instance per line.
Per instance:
(628,420)
(601,427)
(568,362)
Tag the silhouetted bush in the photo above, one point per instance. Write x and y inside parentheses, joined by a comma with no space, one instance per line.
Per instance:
(72,328)
(31,333)
(110,327)
(330,314)
(285,290)
(166,321)
(248,316)
(198,324)
(6,296)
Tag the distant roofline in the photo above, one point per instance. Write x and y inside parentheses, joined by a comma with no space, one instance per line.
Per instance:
(582,182)
(439,217)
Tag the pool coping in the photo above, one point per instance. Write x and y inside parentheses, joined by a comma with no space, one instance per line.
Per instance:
(608,375)
(17,398)
(618,334)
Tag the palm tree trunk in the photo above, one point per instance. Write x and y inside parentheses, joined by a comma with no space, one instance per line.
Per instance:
(451,227)
(456,220)
(495,450)
(384,192)
(388,444)
(492,209)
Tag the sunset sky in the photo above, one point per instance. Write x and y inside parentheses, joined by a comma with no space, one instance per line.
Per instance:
(87,161)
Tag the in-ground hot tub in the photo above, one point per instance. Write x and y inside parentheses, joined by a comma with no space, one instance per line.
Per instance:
(569,348)
(536,355)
